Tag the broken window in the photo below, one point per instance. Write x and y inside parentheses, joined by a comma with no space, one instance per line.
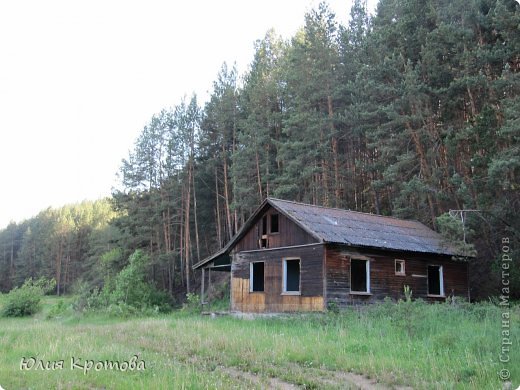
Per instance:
(399,267)
(291,275)
(263,241)
(360,275)
(264,225)
(274,223)
(435,280)
(256,276)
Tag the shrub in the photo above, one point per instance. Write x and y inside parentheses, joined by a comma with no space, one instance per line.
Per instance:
(57,310)
(132,289)
(192,304)
(126,293)
(25,300)
(407,293)
(333,307)
(82,291)
(218,296)
(46,286)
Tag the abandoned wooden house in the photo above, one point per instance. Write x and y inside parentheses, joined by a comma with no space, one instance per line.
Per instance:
(297,257)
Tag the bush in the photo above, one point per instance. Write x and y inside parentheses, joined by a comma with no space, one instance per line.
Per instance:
(126,293)
(130,287)
(46,286)
(25,300)
(22,302)
(57,310)
(192,304)
(333,307)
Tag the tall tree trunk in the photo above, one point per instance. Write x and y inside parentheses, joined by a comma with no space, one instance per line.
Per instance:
(324,174)
(59,255)
(11,264)
(335,159)
(258,179)
(267,170)
(195,220)
(226,194)
(33,257)
(217,211)
(187,244)
(66,274)
(425,168)
(181,237)
(172,265)
(66,270)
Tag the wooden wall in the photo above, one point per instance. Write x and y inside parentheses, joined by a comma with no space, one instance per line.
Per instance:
(383,280)
(272,299)
(325,271)
(289,234)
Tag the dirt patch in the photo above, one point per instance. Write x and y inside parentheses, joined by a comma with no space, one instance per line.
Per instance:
(337,379)
(310,378)
(355,380)
(358,381)
(271,383)
(292,376)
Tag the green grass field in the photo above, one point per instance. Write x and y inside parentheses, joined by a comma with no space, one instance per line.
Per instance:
(385,346)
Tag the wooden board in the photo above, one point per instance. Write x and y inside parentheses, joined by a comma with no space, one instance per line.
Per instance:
(245,301)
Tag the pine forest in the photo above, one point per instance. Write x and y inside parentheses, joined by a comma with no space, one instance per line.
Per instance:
(411,112)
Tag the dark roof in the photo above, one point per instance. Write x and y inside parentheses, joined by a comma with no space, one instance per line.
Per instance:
(362,229)
(331,225)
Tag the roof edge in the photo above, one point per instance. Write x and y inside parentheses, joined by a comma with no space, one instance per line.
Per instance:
(232,242)
(301,225)
(349,210)
(245,227)
(358,246)
(208,259)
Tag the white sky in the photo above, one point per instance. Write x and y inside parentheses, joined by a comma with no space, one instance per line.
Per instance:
(80,79)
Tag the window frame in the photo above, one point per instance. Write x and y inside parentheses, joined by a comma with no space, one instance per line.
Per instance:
(284,276)
(251,285)
(441,281)
(367,275)
(403,267)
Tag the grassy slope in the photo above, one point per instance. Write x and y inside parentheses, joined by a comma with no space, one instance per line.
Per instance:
(425,346)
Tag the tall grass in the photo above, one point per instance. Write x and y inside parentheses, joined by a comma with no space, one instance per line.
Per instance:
(424,346)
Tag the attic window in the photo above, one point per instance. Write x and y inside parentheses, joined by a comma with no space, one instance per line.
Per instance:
(263,241)
(399,267)
(264,225)
(274,223)
(256,276)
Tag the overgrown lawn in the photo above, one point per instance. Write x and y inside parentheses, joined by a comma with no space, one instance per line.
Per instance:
(413,344)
